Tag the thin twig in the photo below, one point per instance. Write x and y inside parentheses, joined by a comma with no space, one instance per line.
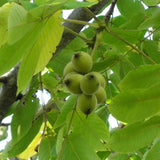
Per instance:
(92,14)
(95,25)
(151,33)
(78,35)
(110,12)
(97,43)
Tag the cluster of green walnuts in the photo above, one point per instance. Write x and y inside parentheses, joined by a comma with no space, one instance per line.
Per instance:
(89,86)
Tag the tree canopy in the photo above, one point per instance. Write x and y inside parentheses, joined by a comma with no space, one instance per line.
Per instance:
(36,44)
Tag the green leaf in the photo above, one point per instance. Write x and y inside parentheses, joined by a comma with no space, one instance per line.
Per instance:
(122,68)
(46,10)
(152,21)
(76,44)
(77,148)
(45,148)
(135,105)
(4,13)
(68,106)
(2,2)
(141,78)
(156,36)
(133,22)
(108,62)
(60,139)
(135,136)
(103,154)
(49,81)
(118,156)
(154,152)
(13,149)
(151,2)
(132,36)
(52,116)
(28,5)
(103,113)
(75,4)
(118,21)
(22,118)
(92,128)
(135,59)
(128,7)
(18,23)
(152,50)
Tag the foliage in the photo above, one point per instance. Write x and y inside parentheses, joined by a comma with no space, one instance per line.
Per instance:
(126,50)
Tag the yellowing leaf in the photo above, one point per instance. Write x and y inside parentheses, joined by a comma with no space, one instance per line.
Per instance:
(48,37)
(30,150)
(48,40)
(29,62)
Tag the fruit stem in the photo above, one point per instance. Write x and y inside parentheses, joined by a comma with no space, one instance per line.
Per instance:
(95,25)
(92,14)
(78,35)
(97,43)
(132,46)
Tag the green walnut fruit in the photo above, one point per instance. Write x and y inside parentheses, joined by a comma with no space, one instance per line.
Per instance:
(82,62)
(68,68)
(86,103)
(89,84)
(72,82)
(101,95)
(101,79)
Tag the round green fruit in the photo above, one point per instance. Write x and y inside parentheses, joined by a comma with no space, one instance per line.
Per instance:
(86,103)
(101,79)
(101,95)
(82,62)
(72,82)
(89,84)
(67,69)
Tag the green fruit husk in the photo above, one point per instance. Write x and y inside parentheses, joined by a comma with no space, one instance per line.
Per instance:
(82,62)
(89,84)
(68,69)
(72,82)
(86,103)
(101,95)
(101,79)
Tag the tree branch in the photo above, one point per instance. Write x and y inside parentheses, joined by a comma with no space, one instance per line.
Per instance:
(78,14)
(9,87)
(8,92)
(110,12)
